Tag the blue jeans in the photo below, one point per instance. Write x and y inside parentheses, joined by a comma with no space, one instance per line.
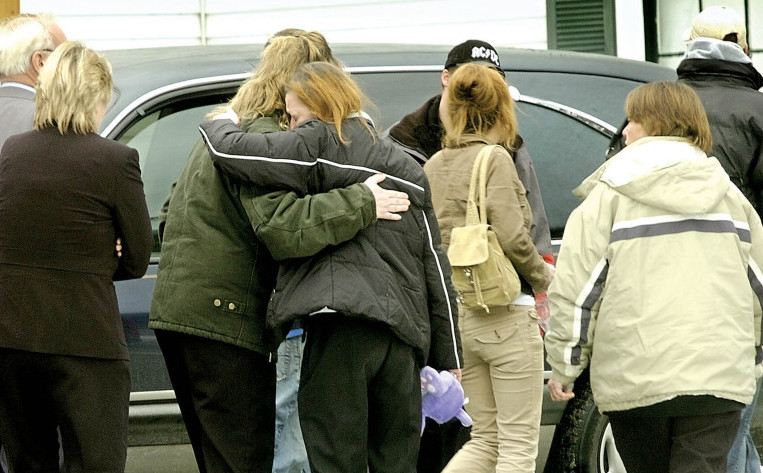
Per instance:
(290,454)
(743,457)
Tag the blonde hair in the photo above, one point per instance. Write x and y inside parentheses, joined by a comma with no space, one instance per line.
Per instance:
(262,94)
(20,37)
(670,109)
(329,92)
(479,102)
(72,84)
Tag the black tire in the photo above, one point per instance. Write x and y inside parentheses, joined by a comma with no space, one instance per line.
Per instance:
(582,441)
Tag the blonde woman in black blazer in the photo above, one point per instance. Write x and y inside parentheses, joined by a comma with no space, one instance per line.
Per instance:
(67,197)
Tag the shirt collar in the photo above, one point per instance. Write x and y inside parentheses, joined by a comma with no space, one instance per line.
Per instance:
(19,85)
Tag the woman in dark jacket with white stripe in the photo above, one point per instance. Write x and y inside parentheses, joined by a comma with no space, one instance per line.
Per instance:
(375,307)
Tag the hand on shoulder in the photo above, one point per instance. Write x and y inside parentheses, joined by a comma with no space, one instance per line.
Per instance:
(228,114)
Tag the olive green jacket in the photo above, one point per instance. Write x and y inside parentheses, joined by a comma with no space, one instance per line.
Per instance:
(216,274)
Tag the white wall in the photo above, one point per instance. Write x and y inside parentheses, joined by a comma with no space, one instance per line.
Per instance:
(629,18)
(114,24)
(145,23)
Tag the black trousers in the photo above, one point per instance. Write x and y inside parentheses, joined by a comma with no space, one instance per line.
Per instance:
(439,443)
(692,444)
(359,398)
(86,399)
(226,395)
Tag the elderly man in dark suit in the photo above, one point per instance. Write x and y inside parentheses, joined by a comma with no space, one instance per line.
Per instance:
(66,196)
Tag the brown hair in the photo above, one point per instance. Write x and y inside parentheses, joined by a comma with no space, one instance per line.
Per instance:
(478,102)
(670,109)
(262,94)
(72,84)
(329,92)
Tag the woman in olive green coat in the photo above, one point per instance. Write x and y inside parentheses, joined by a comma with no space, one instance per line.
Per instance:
(216,275)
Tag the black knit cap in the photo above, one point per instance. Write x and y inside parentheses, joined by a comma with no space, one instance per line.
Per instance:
(474,50)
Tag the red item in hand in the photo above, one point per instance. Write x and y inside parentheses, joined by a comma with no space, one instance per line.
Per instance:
(544,312)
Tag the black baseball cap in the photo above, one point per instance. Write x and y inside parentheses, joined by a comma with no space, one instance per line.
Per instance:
(474,50)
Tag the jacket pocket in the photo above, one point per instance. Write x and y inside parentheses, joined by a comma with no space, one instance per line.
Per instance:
(229,305)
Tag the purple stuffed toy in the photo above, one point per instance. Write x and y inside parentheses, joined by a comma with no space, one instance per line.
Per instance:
(442,397)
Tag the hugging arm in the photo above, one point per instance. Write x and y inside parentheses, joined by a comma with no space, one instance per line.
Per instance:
(282,160)
(289,225)
(296,227)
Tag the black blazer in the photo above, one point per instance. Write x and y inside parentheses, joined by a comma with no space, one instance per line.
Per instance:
(64,200)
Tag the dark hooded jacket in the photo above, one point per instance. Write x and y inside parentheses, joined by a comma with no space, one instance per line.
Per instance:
(395,272)
(727,84)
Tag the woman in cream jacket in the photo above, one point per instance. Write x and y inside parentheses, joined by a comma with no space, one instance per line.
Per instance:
(658,291)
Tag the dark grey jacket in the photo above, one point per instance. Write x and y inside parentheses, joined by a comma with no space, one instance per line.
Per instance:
(395,272)
(729,91)
(16,111)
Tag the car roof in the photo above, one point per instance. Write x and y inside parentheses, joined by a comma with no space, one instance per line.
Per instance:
(139,71)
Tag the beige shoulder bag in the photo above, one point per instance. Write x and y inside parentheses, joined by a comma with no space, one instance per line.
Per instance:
(482,274)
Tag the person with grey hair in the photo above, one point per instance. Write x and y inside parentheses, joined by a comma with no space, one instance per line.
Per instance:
(26,41)
(718,67)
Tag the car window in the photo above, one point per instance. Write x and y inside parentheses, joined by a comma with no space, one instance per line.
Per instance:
(395,95)
(602,97)
(564,152)
(164,139)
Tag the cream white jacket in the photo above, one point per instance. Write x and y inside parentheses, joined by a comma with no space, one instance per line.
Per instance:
(658,281)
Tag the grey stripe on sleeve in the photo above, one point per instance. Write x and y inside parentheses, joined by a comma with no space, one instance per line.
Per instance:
(757,289)
(680,226)
(585,313)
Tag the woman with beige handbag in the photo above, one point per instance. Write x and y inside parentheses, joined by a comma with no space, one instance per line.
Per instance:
(503,349)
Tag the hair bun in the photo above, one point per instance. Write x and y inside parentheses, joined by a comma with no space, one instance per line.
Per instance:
(466,90)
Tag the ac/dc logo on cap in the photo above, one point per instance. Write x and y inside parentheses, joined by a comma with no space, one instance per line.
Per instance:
(481,52)
(473,50)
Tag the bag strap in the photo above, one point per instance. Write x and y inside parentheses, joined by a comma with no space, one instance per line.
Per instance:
(473,215)
(488,150)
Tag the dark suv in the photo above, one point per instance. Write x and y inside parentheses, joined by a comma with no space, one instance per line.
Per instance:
(569,108)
